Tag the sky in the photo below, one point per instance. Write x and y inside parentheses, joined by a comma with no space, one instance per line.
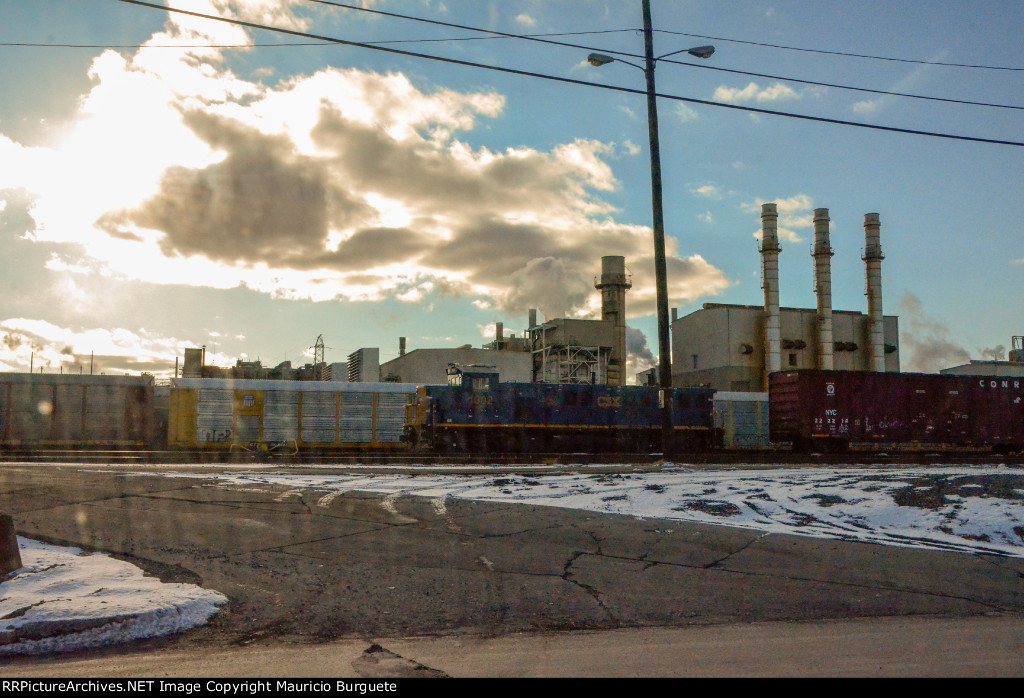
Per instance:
(180,182)
(977,510)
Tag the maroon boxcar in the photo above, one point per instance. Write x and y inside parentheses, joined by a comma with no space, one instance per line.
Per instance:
(832,409)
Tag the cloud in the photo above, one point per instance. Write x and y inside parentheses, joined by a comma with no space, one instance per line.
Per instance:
(43,345)
(341,184)
(776,92)
(686,113)
(526,20)
(925,343)
(707,191)
(869,106)
(794,212)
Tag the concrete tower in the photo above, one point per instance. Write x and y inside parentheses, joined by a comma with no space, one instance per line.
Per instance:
(873,266)
(823,287)
(613,286)
(770,273)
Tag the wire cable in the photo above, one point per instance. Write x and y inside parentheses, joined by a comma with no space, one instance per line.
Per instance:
(504,35)
(310,43)
(842,53)
(845,87)
(573,81)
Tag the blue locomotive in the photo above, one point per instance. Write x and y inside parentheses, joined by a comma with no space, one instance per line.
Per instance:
(475,413)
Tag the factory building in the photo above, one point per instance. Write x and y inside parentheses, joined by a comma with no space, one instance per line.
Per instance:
(735,347)
(364,365)
(195,366)
(1013,368)
(561,350)
(567,350)
(508,356)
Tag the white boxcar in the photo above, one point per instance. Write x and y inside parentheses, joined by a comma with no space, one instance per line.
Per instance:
(75,411)
(743,419)
(210,413)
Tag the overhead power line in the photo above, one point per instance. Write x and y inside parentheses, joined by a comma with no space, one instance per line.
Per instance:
(842,53)
(310,43)
(572,81)
(493,34)
(889,93)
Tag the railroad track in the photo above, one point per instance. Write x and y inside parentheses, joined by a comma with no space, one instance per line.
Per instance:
(403,460)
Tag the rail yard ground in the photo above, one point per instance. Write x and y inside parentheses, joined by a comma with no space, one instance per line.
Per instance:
(327,580)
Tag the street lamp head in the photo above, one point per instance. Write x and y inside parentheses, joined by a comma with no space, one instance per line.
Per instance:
(599,59)
(702,51)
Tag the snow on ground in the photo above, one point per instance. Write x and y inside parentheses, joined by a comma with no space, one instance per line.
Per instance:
(957,508)
(63,599)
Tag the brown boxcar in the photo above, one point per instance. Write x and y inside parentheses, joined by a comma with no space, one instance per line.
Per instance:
(832,409)
(69,411)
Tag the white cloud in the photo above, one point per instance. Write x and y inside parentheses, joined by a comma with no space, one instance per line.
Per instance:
(526,20)
(776,92)
(41,344)
(705,217)
(794,212)
(867,107)
(707,191)
(685,113)
(341,184)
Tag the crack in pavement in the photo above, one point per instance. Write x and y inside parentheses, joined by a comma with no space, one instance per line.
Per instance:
(590,590)
(858,585)
(737,551)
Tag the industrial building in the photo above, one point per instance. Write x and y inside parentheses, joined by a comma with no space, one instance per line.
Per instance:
(508,356)
(195,366)
(735,347)
(1013,368)
(561,350)
(567,350)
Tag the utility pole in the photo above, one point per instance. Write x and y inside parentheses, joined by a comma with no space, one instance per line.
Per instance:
(660,273)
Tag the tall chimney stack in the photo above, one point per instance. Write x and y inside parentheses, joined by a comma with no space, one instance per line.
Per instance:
(613,286)
(499,334)
(401,346)
(823,287)
(873,266)
(533,317)
(770,272)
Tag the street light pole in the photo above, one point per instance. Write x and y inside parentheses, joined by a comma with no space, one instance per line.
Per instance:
(658,224)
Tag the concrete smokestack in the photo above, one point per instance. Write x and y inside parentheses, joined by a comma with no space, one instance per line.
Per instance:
(873,266)
(823,287)
(613,286)
(533,317)
(401,346)
(770,272)
(499,334)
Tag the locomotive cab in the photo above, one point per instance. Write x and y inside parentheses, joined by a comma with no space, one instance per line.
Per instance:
(472,377)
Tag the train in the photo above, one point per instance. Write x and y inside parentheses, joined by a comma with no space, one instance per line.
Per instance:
(475,413)
(804,410)
(831,410)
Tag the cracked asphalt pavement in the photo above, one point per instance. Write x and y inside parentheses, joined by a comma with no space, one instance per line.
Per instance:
(308,567)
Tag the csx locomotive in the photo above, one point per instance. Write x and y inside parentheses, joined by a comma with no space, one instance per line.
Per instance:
(476,413)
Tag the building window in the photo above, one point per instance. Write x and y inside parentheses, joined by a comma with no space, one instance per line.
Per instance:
(792,359)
